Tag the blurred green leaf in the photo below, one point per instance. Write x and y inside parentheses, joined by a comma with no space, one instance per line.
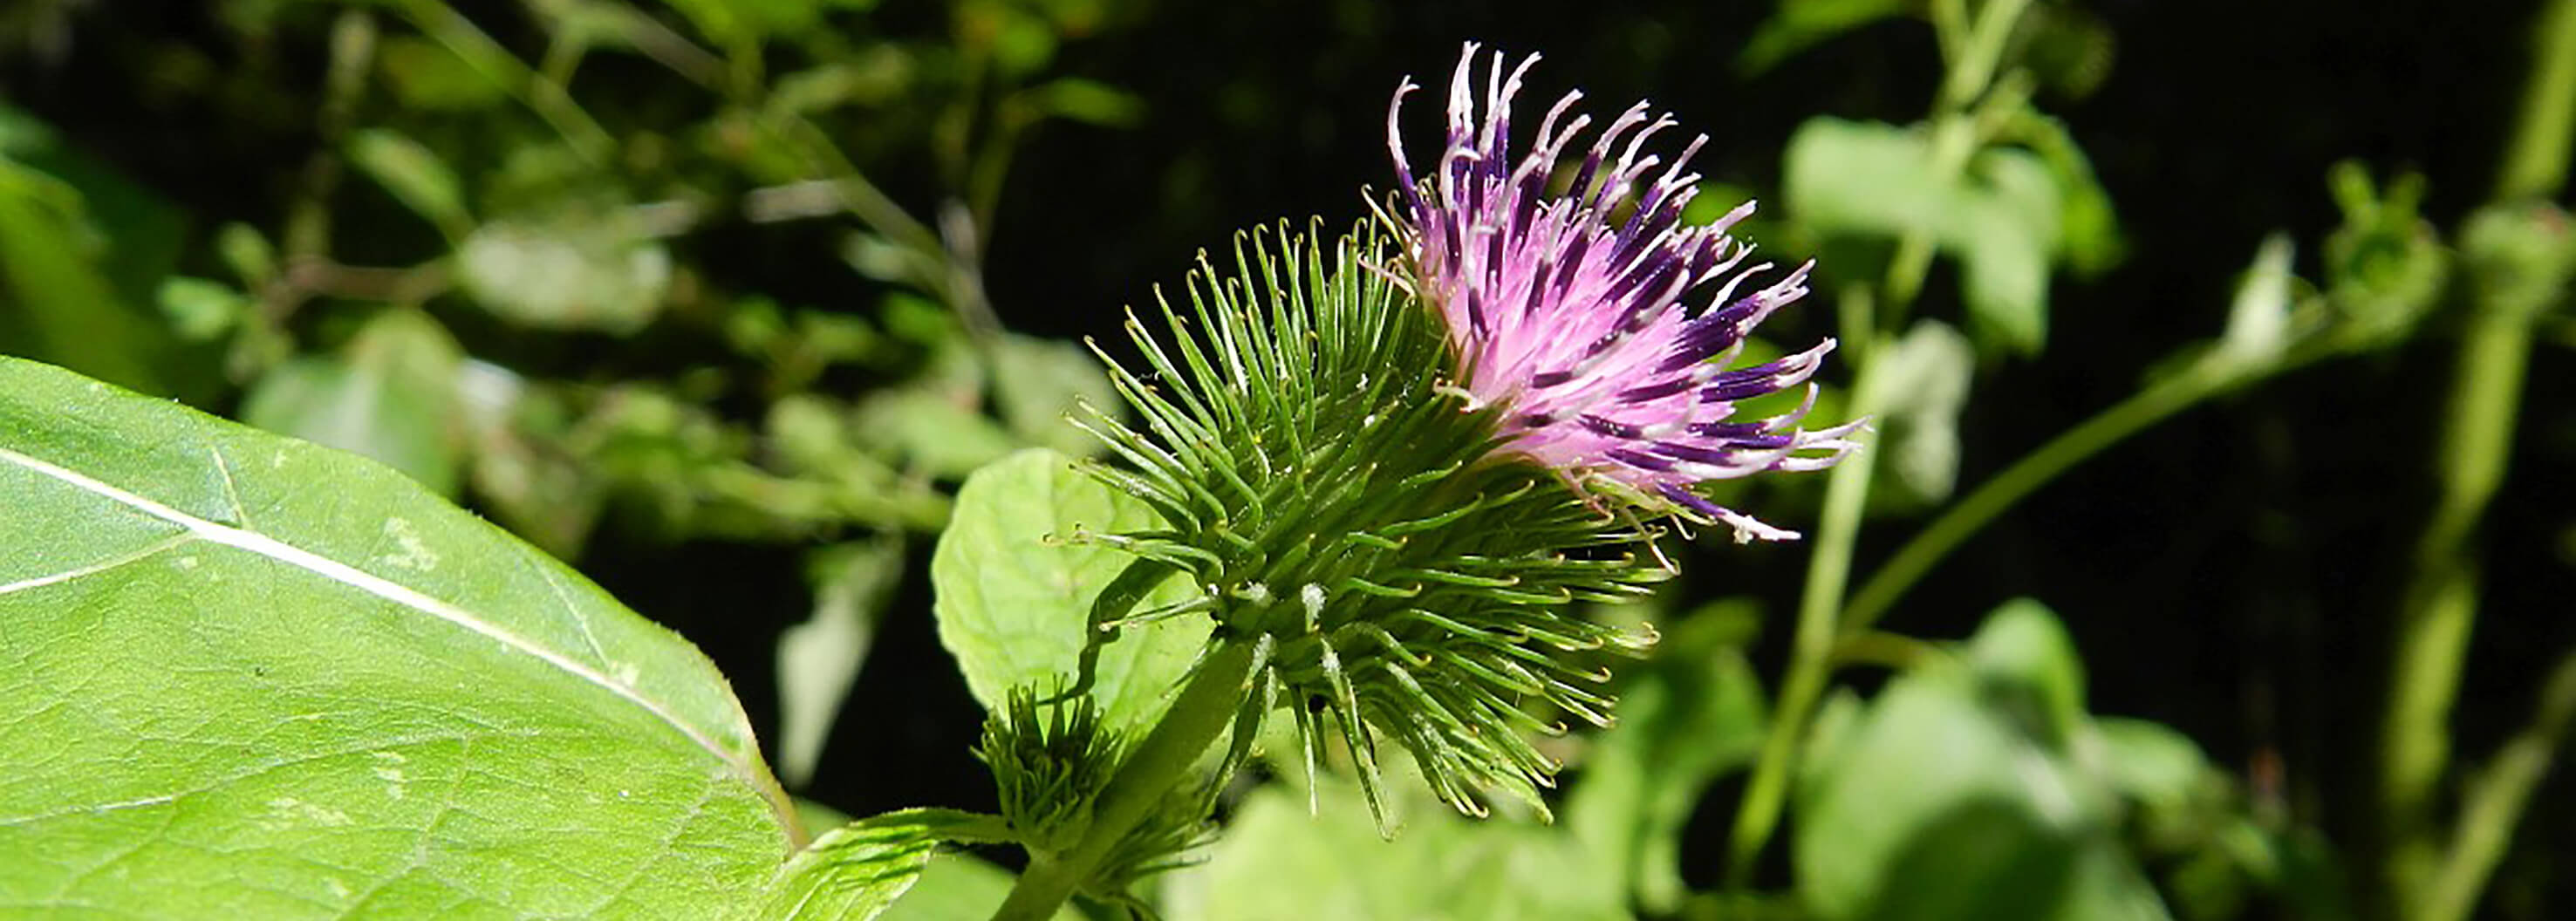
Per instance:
(2006,233)
(1086,101)
(568,273)
(1955,793)
(743,22)
(61,304)
(820,658)
(390,395)
(2088,228)
(253,671)
(1014,593)
(2024,652)
(1279,862)
(247,253)
(2068,46)
(428,76)
(2150,762)
(1921,384)
(201,310)
(1694,713)
(2002,219)
(1038,383)
(521,472)
(415,176)
(960,887)
(1799,24)
(931,432)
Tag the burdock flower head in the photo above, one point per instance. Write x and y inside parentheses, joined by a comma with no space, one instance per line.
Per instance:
(1391,464)
(1573,319)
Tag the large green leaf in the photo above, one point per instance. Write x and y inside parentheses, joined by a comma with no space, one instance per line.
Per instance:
(1015,597)
(246,676)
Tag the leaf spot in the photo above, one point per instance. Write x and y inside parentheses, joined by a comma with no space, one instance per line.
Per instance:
(288,812)
(411,552)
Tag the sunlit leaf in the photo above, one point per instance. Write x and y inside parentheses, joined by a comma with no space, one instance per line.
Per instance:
(855,872)
(257,678)
(1015,596)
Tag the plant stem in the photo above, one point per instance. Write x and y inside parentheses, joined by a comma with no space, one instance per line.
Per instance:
(2440,604)
(1810,654)
(2034,470)
(1954,141)
(2494,801)
(2535,165)
(2439,607)
(1207,706)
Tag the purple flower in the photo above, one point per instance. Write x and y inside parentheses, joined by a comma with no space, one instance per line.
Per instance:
(1571,320)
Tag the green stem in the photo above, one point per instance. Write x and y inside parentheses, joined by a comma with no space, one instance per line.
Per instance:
(2494,801)
(2440,604)
(2536,162)
(1955,139)
(548,99)
(1810,655)
(2034,470)
(2439,607)
(1207,706)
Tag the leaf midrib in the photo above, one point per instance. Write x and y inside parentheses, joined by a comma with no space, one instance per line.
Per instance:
(382,588)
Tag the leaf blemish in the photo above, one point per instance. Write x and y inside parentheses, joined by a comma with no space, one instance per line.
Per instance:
(411,552)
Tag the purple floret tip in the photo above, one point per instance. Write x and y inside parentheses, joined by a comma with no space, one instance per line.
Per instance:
(1584,330)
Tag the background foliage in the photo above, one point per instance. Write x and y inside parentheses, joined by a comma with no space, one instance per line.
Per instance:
(722,301)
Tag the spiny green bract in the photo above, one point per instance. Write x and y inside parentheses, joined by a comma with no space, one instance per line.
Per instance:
(1344,508)
(1050,757)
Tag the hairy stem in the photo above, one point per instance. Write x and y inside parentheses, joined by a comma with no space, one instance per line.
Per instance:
(1159,764)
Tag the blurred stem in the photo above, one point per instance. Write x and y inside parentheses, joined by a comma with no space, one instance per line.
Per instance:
(1158,765)
(1811,651)
(2036,469)
(543,96)
(2439,607)
(353,54)
(2536,162)
(1972,60)
(2493,804)
(2440,604)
